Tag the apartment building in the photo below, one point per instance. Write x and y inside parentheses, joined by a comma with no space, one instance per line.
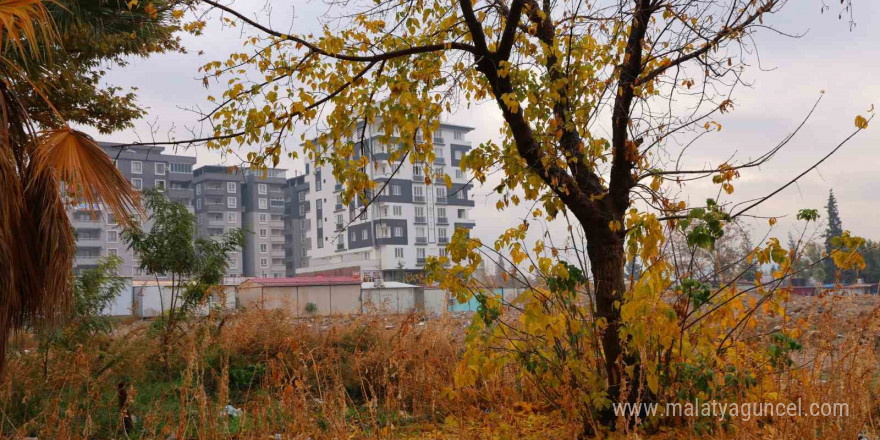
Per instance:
(219,207)
(406,223)
(297,223)
(228,199)
(263,202)
(146,167)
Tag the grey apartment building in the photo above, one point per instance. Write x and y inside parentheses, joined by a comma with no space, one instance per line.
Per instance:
(297,223)
(229,198)
(146,167)
(391,239)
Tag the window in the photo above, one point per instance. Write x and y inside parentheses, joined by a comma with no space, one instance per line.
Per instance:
(420,253)
(417,169)
(419,193)
(398,231)
(459,174)
(137,183)
(159,168)
(111,219)
(233,263)
(264,233)
(462,213)
(441,232)
(398,252)
(198,203)
(264,218)
(264,248)
(438,153)
(264,203)
(264,262)
(177,167)
(230,202)
(276,203)
(231,217)
(441,212)
(420,231)
(137,167)
(395,190)
(457,155)
(198,189)
(112,236)
(302,196)
(457,135)
(261,188)
(112,251)
(364,234)
(398,211)
(160,185)
(441,193)
(231,187)
(302,210)
(443,252)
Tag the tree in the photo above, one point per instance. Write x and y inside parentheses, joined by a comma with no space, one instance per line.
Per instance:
(170,248)
(833,229)
(36,242)
(590,96)
(94,35)
(94,290)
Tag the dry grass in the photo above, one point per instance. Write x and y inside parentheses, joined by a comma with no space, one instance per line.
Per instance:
(374,377)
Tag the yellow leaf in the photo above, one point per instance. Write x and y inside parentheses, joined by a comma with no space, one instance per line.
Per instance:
(861,122)
(772,221)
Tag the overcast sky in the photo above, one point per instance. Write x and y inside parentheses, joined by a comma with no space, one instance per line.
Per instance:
(830,57)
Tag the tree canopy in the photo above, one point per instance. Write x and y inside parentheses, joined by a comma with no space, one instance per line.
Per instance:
(599,101)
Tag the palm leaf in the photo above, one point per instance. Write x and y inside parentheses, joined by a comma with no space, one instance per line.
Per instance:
(27,27)
(87,171)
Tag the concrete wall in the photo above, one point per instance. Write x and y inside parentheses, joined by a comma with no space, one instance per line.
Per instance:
(397,300)
(329,300)
(122,304)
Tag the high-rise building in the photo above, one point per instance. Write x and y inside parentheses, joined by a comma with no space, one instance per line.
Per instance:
(146,167)
(297,223)
(408,221)
(229,198)
(218,206)
(263,223)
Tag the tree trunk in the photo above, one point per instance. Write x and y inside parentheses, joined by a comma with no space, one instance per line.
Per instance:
(607,260)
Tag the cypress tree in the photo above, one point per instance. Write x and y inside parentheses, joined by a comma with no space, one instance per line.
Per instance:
(834,229)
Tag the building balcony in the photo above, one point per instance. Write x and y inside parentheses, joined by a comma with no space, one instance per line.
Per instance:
(442,220)
(276,239)
(216,222)
(443,240)
(440,161)
(277,253)
(418,177)
(421,220)
(276,224)
(441,200)
(419,199)
(420,261)
(421,240)
(439,140)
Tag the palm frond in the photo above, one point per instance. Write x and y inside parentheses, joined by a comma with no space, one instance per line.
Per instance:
(27,27)
(87,171)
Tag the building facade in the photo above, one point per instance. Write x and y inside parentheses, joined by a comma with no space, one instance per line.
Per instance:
(263,223)
(98,233)
(407,222)
(228,199)
(297,223)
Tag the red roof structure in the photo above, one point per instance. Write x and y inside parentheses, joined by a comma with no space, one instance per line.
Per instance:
(318,280)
